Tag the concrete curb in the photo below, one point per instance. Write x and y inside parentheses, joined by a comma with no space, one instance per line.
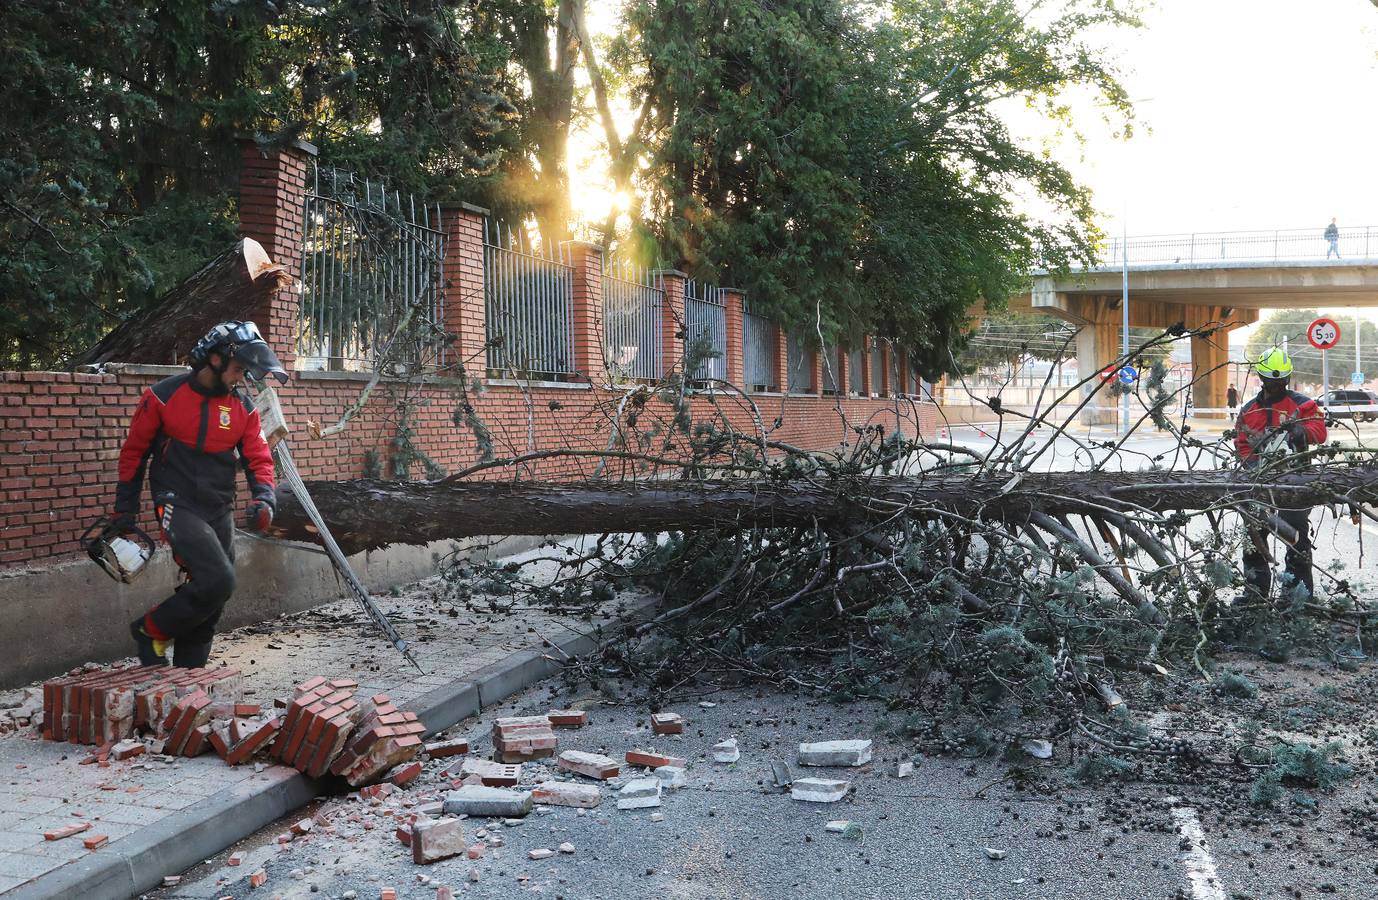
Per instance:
(138,864)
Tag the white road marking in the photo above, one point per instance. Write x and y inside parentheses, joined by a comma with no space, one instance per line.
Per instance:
(1201,874)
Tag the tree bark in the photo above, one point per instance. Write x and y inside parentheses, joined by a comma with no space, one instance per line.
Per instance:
(367,514)
(228,287)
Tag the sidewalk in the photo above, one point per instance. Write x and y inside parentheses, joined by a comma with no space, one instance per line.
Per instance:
(162,814)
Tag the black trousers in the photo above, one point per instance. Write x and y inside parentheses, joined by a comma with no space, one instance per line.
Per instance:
(204,548)
(1258,573)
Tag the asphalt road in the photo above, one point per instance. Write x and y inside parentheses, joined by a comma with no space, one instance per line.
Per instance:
(729,834)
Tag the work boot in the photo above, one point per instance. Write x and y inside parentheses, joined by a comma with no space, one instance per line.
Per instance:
(191,656)
(151,652)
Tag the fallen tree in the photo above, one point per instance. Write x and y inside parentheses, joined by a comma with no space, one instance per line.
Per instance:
(230,286)
(421,512)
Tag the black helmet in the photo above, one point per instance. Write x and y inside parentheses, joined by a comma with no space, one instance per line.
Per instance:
(241,341)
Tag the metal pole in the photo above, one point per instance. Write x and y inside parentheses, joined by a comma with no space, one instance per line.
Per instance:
(1325,372)
(1124,308)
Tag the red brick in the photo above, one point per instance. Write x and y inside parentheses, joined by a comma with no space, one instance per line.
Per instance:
(568,718)
(95,841)
(447,748)
(66,831)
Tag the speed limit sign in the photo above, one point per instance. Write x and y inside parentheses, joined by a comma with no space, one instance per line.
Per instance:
(1323,334)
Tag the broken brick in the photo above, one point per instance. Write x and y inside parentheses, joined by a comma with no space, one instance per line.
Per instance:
(437,839)
(405,774)
(653,760)
(235,859)
(591,765)
(258,879)
(667,723)
(95,841)
(568,718)
(66,831)
(447,748)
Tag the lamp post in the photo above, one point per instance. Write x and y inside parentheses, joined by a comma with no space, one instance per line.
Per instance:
(1124,311)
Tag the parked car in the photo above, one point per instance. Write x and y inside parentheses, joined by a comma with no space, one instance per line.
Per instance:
(1334,403)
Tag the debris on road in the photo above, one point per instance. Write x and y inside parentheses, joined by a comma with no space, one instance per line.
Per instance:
(590,765)
(567,793)
(992,853)
(819,790)
(726,751)
(478,800)
(835,753)
(639,793)
(667,723)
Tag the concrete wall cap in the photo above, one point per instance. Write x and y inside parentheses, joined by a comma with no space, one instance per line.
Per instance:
(306,147)
(675,273)
(464,205)
(590,245)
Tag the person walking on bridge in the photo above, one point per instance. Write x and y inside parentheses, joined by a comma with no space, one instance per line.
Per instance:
(1277,420)
(1332,234)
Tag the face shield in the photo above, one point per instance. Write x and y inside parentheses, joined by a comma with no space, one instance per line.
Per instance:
(259,361)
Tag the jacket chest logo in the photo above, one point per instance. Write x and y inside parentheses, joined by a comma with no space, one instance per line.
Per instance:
(224,417)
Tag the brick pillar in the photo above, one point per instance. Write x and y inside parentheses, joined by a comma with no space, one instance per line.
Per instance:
(736,358)
(842,365)
(672,318)
(867,348)
(818,372)
(781,359)
(465,316)
(272,199)
(587,312)
(901,374)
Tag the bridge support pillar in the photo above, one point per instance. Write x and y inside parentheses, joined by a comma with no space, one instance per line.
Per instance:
(1098,346)
(1210,373)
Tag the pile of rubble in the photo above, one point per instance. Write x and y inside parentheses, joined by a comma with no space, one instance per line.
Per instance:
(321,728)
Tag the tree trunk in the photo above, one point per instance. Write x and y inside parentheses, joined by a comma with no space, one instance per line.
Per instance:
(366,514)
(228,287)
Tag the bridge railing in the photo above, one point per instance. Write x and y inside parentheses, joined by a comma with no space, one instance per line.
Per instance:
(1354,243)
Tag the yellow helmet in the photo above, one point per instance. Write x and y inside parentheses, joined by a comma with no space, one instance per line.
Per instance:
(1274,364)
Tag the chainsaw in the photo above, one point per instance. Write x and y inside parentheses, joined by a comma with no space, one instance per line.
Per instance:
(121,550)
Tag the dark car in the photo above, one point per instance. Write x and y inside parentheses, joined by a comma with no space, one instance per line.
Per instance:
(1335,403)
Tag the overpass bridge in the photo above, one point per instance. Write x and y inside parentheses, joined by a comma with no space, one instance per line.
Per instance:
(1201,279)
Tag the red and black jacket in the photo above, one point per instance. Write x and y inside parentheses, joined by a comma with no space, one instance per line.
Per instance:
(195,436)
(1259,416)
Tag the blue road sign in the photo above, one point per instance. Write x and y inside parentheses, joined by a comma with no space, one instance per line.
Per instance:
(1356,378)
(1128,375)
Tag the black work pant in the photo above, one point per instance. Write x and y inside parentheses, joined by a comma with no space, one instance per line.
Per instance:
(1258,572)
(204,549)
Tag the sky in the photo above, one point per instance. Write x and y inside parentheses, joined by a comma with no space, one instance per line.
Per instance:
(1253,114)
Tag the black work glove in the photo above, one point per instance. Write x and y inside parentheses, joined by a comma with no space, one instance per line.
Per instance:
(1296,437)
(259,515)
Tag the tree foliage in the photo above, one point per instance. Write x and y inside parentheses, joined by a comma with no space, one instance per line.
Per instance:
(119,130)
(1290,324)
(846,161)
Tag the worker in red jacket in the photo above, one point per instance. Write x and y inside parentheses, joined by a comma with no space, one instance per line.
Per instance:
(197,428)
(1278,419)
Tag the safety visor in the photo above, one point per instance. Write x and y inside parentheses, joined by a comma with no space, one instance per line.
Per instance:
(259,361)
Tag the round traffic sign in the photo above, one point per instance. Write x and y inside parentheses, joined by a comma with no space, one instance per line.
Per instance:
(1323,333)
(1108,373)
(1129,375)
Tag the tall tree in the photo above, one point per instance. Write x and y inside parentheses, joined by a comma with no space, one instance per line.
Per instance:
(845,162)
(118,123)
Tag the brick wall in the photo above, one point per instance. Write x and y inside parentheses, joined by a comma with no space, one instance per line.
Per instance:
(60,433)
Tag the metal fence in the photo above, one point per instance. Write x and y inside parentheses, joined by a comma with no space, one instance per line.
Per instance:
(705,320)
(633,301)
(829,369)
(371,278)
(1357,243)
(799,362)
(760,338)
(528,288)
(877,368)
(856,376)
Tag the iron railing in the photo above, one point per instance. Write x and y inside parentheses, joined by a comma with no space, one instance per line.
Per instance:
(633,304)
(705,323)
(799,362)
(760,338)
(371,278)
(877,368)
(829,369)
(1206,248)
(856,376)
(528,287)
